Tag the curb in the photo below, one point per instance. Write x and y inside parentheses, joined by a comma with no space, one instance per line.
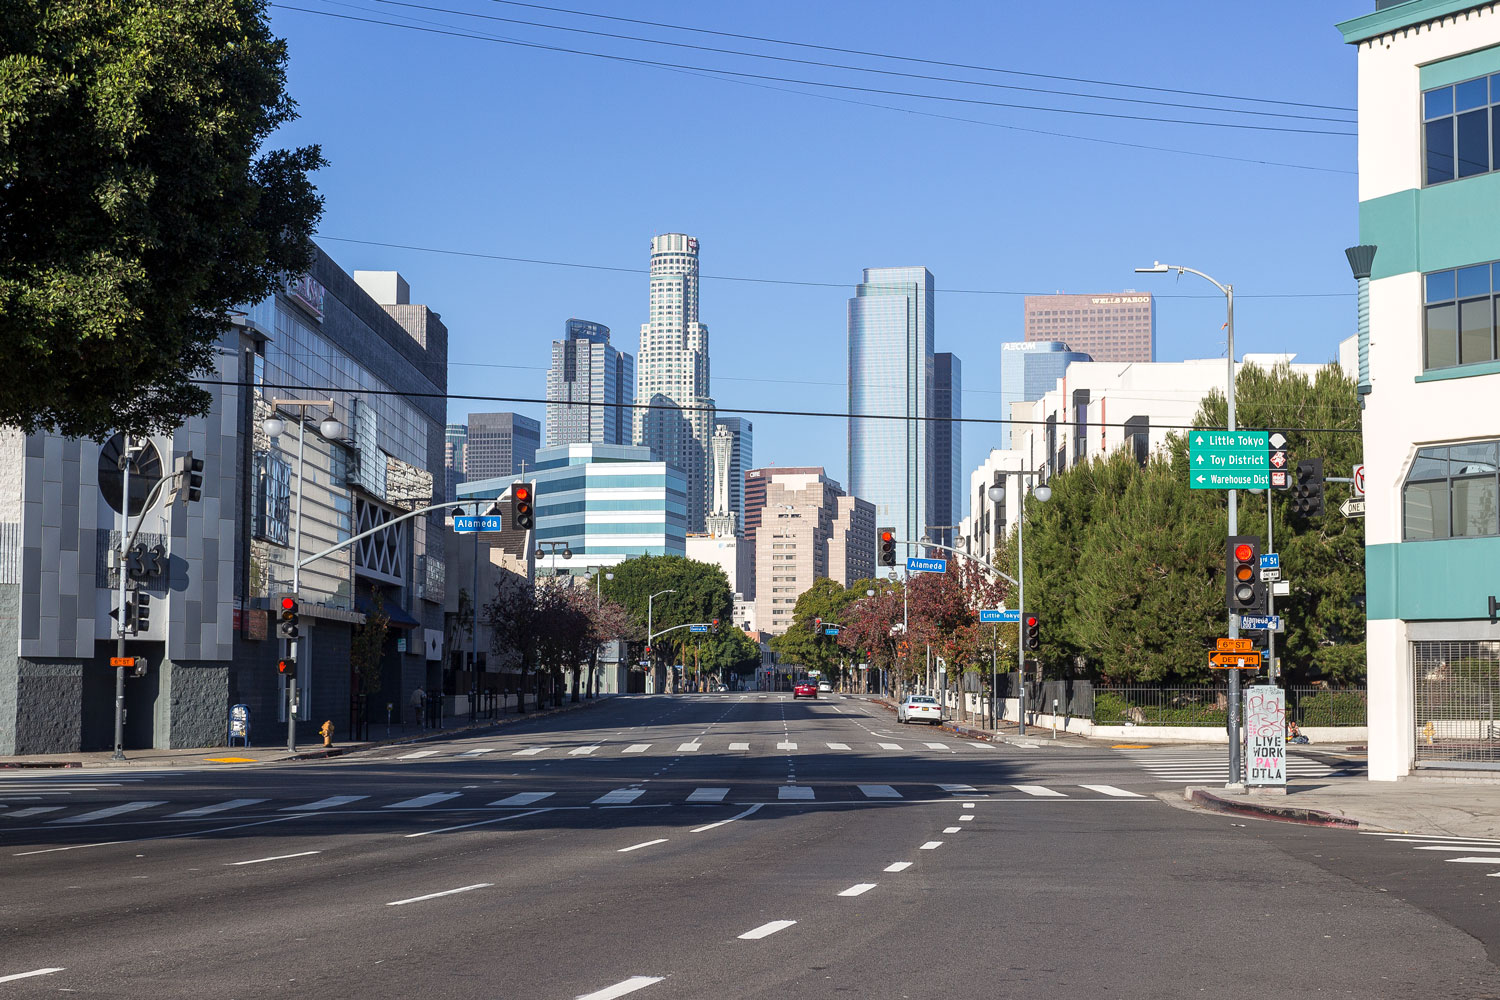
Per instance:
(44,763)
(1285,814)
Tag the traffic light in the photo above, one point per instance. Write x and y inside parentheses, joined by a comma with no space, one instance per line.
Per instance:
(287,629)
(1243,591)
(522,517)
(190,477)
(1307,494)
(287,668)
(1032,639)
(713,626)
(142,611)
(887,546)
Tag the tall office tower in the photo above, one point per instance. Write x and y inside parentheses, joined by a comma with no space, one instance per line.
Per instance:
(454,438)
(721,520)
(585,385)
(891,321)
(809,529)
(740,459)
(947,440)
(1030,371)
(498,444)
(1105,327)
(672,371)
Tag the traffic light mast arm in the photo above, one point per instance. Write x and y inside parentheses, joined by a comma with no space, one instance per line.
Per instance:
(982,564)
(651,639)
(379,527)
(151,498)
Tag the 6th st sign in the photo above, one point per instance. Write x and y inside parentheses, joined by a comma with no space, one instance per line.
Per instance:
(1229,460)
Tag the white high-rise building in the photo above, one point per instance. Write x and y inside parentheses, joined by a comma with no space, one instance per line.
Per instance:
(672,372)
(721,519)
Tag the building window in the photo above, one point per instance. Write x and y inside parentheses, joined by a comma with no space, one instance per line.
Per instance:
(1458,129)
(1453,492)
(1459,316)
(273,498)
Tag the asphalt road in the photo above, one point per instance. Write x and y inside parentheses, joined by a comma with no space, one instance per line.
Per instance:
(714,846)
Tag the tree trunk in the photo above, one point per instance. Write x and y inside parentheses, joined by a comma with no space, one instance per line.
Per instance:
(521,689)
(577,672)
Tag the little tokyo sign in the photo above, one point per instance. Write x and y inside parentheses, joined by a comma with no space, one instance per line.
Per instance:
(1229,460)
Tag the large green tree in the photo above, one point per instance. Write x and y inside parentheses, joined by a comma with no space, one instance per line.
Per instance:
(699,593)
(137,207)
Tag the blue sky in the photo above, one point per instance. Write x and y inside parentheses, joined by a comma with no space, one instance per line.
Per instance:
(462,144)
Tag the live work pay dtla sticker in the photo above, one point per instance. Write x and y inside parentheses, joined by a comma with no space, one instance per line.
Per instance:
(1229,460)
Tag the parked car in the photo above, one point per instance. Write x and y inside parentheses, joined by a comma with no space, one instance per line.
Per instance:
(723,687)
(804,689)
(824,686)
(920,707)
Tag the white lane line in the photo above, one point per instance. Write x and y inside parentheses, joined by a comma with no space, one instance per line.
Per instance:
(28,975)
(708,795)
(739,746)
(620,989)
(530,751)
(164,836)
(879,792)
(125,807)
(858,890)
(328,803)
(619,796)
(786,746)
(419,753)
(952,829)
(937,746)
(582,751)
(481,750)
(637,847)
(747,812)
(689,747)
(958,788)
(1118,793)
(217,807)
(1450,848)
(435,895)
(1041,791)
(1433,837)
(965,817)
(522,799)
(899,866)
(838,746)
(766,930)
(890,746)
(1474,861)
(33,811)
(430,799)
(637,748)
(1455,841)
(794,792)
(482,822)
(931,845)
(279,857)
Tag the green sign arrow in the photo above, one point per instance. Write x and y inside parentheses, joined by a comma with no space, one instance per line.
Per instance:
(1229,460)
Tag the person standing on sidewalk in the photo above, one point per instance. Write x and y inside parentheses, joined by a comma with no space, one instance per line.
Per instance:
(418,704)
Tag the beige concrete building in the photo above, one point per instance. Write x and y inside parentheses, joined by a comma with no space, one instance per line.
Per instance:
(809,529)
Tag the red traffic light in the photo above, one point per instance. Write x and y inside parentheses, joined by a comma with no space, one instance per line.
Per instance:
(289,604)
(1031,622)
(283,667)
(1243,552)
(887,536)
(521,493)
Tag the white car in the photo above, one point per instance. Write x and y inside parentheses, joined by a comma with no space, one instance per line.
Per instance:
(825,686)
(920,707)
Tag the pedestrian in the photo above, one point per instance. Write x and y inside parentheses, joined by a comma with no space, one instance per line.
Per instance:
(418,703)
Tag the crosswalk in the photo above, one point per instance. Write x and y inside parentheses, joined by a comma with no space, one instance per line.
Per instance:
(35,792)
(1479,851)
(700,746)
(61,816)
(1210,764)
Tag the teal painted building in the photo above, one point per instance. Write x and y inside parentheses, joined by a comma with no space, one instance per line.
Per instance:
(1428,268)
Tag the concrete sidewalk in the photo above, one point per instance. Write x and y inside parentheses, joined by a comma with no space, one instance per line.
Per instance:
(1418,805)
(311,750)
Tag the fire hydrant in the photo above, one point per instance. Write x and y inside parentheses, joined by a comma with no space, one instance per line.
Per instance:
(326,731)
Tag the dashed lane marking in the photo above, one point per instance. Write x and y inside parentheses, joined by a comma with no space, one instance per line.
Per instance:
(899,866)
(637,847)
(279,857)
(858,890)
(766,930)
(446,892)
(620,989)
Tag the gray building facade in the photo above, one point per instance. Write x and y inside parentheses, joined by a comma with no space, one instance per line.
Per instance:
(586,386)
(1029,371)
(498,443)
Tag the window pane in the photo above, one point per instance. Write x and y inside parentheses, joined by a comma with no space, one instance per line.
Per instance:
(1476,506)
(1430,463)
(1442,337)
(1472,459)
(1473,143)
(1436,103)
(1439,136)
(1440,286)
(1495,134)
(1426,511)
(1473,281)
(1475,331)
(1472,94)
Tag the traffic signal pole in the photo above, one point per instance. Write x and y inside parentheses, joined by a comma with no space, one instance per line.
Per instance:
(1235,763)
(1271,670)
(119,753)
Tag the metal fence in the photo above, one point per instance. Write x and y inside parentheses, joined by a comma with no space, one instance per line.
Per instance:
(1208,705)
(1455,696)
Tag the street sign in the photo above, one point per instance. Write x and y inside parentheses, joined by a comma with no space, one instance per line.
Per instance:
(1270,575)
(1279,460)
(1359,480)
(915,564)
(999,615)
(1265,735)
(697,628)
(1235,661)
(830,630)
(1280,479)
(1234,645)
(1271,623)
(1281,588)
(1229,460)
(1270,560)
(1353,507)
(464,523)
(122,661)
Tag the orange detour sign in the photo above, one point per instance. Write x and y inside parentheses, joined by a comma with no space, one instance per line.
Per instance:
(1235,661)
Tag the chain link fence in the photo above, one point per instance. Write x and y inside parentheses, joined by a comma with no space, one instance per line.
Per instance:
(1208,705)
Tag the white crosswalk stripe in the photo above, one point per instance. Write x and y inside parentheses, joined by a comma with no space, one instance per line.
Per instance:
(216,807)
(637,748)
(109,812)
(533,751)
(708,795)
(879,792)
(1198,764)
(481,750)
(689,747)
(1041,791)
(620,796)
(838,746)
(786,746)
(582,751)
(421,801)
(957,788)
(937,746)
(1118,793)
(328,803)
(522,799)
(739,746)
(419,753)
(1465,850)
(890,746)
(30,811)
(794,792)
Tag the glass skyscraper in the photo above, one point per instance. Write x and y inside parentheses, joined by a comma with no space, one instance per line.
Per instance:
(1028,371)
(891,375)
(587,370)
(947,441)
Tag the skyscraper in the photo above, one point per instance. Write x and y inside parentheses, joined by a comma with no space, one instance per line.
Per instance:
(455,436)
(498,443)
(586,369)
(809,529)
(1028,371)
(672,374)
(721,519)
(740,458)
(891,373)
(947,439)
(1105,327)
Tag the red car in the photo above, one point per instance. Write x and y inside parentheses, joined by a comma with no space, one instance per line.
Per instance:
(805,689)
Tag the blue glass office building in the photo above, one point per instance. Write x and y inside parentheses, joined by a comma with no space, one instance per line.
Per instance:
(891,321)
(1030,370)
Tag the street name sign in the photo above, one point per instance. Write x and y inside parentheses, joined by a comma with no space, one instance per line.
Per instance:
(1229,460)
(1235,661)
(999,615)
(464,523)
(122,661)
(1265,735)
(1233,645)
(1261,622)
(1270,560)
(915,564)
(830,630)
(697,628)
(1353,507)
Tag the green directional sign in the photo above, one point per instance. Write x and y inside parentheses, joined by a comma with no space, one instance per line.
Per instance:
(1229,460)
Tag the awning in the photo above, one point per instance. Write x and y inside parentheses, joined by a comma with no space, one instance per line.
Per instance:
(399,617)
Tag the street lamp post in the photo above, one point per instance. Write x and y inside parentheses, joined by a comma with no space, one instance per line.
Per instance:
(997,494)
(332,429)
(1234,626)
(552,549)
(649,633)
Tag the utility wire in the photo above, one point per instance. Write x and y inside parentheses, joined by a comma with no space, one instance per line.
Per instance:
(918,59)
(812,83)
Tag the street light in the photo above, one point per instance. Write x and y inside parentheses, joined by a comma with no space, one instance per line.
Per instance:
(649,642)
(1043,493)
(599,587)
(1234,627)
(552,548)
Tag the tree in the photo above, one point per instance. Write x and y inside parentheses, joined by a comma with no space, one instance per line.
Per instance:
(512,619)
(368,646)
(700,593)
(136,205)
(805,645)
